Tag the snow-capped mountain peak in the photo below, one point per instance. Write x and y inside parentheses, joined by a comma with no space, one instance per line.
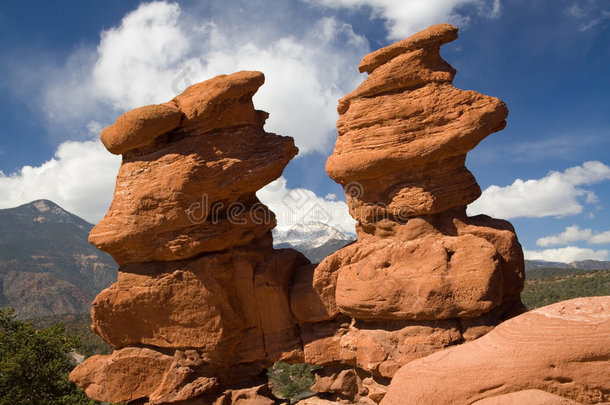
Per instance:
(309,235)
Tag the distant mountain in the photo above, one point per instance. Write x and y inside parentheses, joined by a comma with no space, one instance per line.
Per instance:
(579,265)
(315,240)
(537,264)
(310,235)
(590,265)
(47,267)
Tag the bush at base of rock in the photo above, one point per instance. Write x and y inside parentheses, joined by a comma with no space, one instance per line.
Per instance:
(34,364)
(291,381)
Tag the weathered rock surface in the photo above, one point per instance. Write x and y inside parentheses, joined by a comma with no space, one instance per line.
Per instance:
(138,373)
(422,275)
(562,349)
(431,278)
(221,102)
(233,306)
(272,283)
(417,295)
(140,127)
(186,304)
(430,38)
(316,401)
(201,287)
(530,397)
(404,134)
(424,279)
(381,347)
(132,373)
(192,190)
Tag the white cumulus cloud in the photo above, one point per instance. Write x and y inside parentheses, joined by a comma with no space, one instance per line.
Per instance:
(600,238)
(157,51)
(80,178)
(566,254)
(571,234)
(138,59)
(575,234)
(557,194)
(405,17)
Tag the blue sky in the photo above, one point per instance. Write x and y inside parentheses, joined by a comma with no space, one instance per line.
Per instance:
(69,68)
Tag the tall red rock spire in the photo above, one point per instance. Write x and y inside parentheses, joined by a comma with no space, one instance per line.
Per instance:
(202,299)
(422,275)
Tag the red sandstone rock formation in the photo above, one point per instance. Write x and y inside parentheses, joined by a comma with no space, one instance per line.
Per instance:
(405,131)
(203,304)
(183,167)
(422,275)
(559,354)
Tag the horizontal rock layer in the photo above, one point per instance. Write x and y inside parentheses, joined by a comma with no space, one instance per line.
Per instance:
(132,374)
(439,267)
(231,306)
(139,127)
(405,151)
(432,37)
(221,102)
(192,190)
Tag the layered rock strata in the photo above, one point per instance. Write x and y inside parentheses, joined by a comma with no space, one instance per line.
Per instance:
(201,305)
(422,275)
(190,171)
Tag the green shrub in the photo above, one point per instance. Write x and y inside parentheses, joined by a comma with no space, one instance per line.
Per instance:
(79,325)
(291,381)
(548,287)
(34,364)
